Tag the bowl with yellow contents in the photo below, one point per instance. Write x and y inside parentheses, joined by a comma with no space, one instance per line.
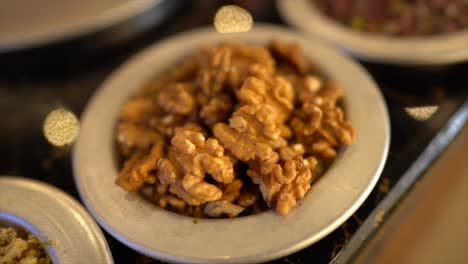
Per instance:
(41,224)
(230,148)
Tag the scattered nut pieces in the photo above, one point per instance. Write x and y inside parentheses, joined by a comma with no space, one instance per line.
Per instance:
(230,125)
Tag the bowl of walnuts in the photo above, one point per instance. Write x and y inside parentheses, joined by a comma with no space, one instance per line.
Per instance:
(230,148)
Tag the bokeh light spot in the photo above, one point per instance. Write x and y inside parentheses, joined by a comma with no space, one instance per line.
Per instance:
(421,113)
(61,127)
(232,19)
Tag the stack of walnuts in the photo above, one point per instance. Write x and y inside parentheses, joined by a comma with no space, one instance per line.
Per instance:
(233,123)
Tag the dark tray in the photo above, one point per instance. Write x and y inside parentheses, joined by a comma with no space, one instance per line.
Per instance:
(423,103)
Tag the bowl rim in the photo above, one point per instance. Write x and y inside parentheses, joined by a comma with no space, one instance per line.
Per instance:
(431,50)
(49,222)
(93,161)
(103,19)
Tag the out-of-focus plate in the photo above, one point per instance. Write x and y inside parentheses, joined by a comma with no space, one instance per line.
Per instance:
(414,51)
(165,235)
(52,215)
(30,23)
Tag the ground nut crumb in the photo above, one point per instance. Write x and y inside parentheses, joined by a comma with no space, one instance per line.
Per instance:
(16,246)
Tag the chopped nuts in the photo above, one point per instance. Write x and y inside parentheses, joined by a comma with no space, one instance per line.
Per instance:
(232,129)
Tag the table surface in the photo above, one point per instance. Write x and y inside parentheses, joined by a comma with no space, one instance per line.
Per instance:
(34,83)
(414,234)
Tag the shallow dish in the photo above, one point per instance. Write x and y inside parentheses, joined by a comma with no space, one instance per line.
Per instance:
(53,217)
(165,235)
(414,51)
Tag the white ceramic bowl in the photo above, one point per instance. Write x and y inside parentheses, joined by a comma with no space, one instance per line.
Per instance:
(52,215)
(161,234)
(414,51)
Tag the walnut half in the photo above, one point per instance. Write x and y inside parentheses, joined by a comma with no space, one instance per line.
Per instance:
(190,158)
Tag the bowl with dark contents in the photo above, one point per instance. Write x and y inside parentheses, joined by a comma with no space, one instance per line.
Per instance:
(402,32)
(198,147)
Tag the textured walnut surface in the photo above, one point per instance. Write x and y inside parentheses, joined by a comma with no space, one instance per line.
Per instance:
(234,129)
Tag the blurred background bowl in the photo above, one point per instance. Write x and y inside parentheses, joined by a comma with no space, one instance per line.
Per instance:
(68,231)
(431,50)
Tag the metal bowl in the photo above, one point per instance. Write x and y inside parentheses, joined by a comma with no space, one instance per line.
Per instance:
(413,51)
(165,235)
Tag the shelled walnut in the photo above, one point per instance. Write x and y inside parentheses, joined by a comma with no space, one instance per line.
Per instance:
(233,129)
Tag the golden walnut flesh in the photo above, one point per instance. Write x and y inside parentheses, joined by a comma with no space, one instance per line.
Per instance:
(231,130)
(191,156)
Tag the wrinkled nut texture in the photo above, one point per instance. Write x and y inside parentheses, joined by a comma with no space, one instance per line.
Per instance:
(291,152)
(190,157)
(218,109)
(132,137)
(139,110)
(243,56)
(167,125)
(320,125)
(250,133)
(275,91)
(266,108)
(291,54)
(232,191)
(140,169)
(191,126)
(228,65)
(284,184)
(177,99)
(305,122)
